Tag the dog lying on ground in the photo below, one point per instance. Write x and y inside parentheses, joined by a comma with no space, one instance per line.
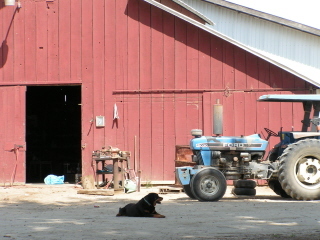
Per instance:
(144,208)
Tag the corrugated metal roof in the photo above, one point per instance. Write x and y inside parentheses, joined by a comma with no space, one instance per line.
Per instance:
(290,49)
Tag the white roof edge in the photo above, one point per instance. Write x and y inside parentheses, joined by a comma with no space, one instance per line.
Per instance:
(230,40)
(182,4)
(186,6)
(265,16)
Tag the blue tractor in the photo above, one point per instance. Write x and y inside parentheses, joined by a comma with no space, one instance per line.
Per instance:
(291,168)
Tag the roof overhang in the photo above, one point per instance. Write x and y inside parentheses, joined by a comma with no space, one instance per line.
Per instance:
(180,15)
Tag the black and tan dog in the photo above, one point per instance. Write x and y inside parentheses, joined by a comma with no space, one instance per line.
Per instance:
(144,208)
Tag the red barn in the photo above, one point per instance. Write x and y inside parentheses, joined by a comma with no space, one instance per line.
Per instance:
(65,62)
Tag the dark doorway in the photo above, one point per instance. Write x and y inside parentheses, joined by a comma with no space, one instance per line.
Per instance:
(53,132)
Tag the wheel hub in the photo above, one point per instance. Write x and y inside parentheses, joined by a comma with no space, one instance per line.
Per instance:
(309,171)
(209,186)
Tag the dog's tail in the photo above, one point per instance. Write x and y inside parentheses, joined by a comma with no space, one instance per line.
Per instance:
(122,212)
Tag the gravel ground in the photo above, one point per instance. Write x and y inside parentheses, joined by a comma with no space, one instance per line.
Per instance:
(51,212)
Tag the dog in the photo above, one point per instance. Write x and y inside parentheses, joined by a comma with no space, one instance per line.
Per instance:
(144,208)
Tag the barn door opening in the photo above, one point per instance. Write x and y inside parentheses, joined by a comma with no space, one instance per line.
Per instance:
(53,132)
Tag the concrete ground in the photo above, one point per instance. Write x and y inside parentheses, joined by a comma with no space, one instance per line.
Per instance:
(51,212)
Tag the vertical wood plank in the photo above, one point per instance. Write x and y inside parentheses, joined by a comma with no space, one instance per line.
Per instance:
(157,99)
(75,47)
(250,113)
(204,69)
(192,78)
(180,82)
(98,69)
(88,123)
(12,166)
(145,84)
(121,69)
(54,45)
(228,112)
(133,111)
(19,39)
(239,98)
(7,44)
(64,40)
(30,41)
(168,102)
(252,71)
(110,67)
(41,42)
(216,63)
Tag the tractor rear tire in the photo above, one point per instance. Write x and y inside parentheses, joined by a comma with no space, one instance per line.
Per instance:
(208,185)
(299,171)
(244,191)
(276,187)
(187,190)
(244,183)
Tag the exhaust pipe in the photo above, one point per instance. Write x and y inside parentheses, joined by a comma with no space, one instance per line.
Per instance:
(217,118)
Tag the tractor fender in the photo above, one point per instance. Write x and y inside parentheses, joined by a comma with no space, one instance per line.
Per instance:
(184,174)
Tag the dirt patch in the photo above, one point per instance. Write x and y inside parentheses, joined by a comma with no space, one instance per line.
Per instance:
(58,212)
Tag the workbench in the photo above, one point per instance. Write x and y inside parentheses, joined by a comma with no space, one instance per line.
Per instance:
(116,173)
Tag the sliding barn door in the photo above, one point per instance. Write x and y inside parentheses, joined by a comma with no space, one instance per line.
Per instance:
(12,135)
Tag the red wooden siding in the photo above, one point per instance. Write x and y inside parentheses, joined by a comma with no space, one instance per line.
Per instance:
(162,73)
(12,135)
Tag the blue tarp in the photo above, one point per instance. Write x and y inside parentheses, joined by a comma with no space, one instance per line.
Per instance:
(53,179)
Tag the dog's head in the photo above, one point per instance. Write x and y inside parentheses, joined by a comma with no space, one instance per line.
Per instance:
(153,198)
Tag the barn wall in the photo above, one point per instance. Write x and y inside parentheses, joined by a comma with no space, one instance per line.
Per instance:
(161,72)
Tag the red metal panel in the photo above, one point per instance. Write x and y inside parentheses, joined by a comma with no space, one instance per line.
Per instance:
(12,135)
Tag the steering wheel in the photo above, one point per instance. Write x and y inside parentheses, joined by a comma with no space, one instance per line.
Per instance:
(270,133)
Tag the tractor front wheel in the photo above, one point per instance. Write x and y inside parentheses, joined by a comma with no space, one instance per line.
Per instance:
(187,190)
(208,184)
(299,171)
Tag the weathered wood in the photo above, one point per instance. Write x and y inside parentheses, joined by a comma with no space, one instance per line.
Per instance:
(170,189)
(105,192)
(88,182)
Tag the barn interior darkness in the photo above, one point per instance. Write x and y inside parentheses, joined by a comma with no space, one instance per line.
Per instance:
(53,132)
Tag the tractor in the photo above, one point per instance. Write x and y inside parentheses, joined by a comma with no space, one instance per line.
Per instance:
(291,168)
